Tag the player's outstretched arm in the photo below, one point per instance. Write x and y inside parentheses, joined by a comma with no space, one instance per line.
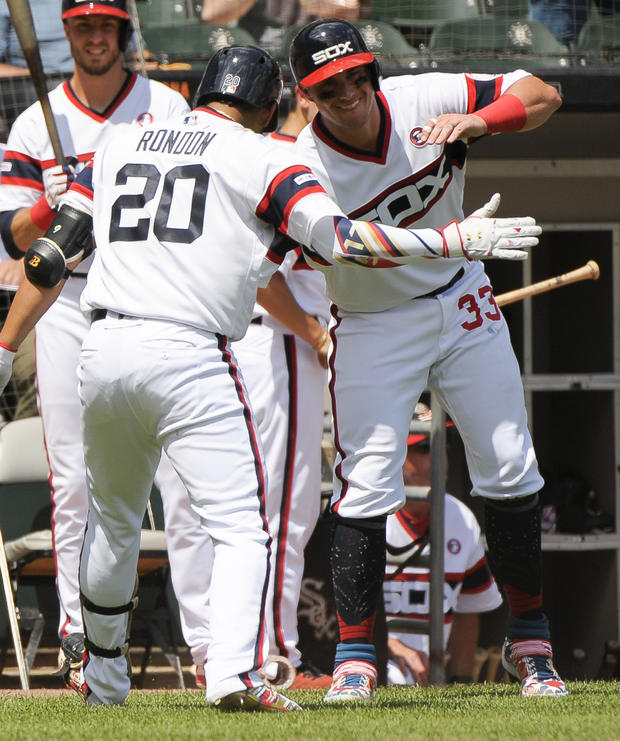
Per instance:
(478,237)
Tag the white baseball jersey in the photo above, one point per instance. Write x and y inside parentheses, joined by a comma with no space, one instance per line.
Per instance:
(469,586)
(404,183)
(153,224)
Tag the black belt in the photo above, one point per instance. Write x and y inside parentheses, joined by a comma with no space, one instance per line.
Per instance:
(257,320)
(455,279)
(97,314)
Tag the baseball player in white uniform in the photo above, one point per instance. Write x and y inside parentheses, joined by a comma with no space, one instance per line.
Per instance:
(394,151)
(182,228)
(100,95)
(469,587)
(283,356)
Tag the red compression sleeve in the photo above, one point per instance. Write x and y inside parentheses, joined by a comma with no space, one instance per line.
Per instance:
(41,214)
(507,113)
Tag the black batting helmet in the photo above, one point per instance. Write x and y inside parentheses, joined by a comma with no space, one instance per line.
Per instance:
(245,74)
(326,47)
(115,8)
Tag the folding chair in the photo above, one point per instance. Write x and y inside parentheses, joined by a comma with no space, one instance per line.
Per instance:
(599,41)
(23,467)
(27,553)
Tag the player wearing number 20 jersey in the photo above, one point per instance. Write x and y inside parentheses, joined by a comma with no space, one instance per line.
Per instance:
(59,334)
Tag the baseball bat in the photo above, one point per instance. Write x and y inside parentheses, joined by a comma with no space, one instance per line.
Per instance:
(21,16)
(285,674)
(480,658)
(589,271)
(137,34)
(495,657)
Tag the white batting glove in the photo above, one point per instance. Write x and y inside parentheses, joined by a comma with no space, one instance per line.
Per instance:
(480,237)
(489,208)
(57,181)
(6,367)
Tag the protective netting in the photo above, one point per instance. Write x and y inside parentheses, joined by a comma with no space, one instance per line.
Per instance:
(408,33)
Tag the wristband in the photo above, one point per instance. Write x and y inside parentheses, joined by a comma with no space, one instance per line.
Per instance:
(41,214)
(507,113)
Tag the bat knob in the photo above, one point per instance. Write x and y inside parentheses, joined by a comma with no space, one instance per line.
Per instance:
(277,672)
(594,268)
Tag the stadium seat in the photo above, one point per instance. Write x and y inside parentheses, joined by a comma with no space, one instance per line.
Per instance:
(166,12)
(424,13)
(508,8)
(191,40)
(388,44)
(599,41)
(493,44)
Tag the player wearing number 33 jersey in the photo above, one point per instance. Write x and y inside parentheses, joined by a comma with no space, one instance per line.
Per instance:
(394,151)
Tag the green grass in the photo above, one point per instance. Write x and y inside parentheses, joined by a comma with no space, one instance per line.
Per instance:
(495,711)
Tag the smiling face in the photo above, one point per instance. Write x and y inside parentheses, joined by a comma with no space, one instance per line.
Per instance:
(347,103)
(94,41)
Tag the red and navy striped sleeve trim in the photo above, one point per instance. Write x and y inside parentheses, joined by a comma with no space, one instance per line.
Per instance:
(280,245)
(284,192)
(482,92)
(478,578)
(84,182)
(21,169)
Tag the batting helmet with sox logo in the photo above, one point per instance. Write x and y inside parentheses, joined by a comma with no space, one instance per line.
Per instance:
(326,47)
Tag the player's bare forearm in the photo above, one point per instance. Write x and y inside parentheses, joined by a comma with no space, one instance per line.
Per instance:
(278,300)
(463,643)
(540,100)
(29,305)
(24,230)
